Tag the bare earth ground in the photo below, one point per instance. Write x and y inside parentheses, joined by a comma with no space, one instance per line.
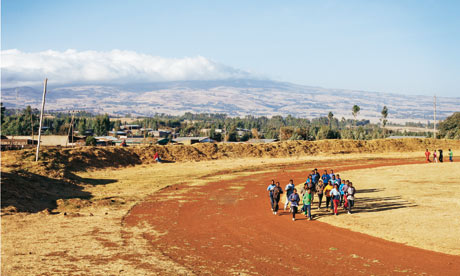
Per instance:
(419,205)
(102,240)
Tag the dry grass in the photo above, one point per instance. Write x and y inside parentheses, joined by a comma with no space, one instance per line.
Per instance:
(412,204)
(92,240)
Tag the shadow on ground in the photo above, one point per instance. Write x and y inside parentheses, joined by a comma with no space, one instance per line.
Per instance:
(23,191)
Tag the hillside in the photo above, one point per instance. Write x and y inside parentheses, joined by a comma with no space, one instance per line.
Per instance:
(233,97)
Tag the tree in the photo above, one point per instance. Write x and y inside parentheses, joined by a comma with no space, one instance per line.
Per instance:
(81,126)
(450,127)
(90,141)
(330,116)
(255,133)
(232,136)
(384,118)
(355,110)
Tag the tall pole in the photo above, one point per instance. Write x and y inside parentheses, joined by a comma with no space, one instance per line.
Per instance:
(434,133)
(41,120)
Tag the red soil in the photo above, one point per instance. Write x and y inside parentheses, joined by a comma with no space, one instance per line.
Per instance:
(221,230)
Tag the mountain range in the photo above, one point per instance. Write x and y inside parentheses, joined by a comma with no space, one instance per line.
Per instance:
(235,97)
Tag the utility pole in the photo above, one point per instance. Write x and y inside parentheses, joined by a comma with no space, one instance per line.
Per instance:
(41,120)
(70,129)
(434,133)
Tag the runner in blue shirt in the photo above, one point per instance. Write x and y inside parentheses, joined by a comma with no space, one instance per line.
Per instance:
(342,192)
(339,179)
(325,177)
(332,174)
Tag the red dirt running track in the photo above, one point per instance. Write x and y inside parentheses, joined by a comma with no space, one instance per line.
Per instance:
(218,229)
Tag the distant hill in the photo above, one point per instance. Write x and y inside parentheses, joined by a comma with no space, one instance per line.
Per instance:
(238,97)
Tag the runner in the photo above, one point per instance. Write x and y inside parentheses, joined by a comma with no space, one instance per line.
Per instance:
(435,159)
(307,203)
(294,199)
(335,194)
(303,190)
(270,192)
(319,191)
(351,196)
(289,189)
(342,192)
(345,189)
(332,174)
(333,180)
(317,176)
(441,157)
(451,156)
(325,177)
(277,191)
(427,155)
(339,180)
(311,185)
(327,191)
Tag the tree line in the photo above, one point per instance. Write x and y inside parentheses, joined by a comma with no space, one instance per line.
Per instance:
(219,127)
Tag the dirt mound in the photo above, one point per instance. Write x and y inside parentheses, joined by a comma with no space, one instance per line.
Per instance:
(59,163)
(28,192)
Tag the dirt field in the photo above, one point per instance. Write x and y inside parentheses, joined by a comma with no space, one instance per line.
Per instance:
(98,224)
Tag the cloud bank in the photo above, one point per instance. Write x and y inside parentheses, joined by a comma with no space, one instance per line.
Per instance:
(71,66)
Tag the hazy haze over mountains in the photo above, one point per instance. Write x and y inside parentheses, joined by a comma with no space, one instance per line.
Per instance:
(235,97)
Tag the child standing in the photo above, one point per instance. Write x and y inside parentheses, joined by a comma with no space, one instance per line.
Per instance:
(451,156)
(435,157)
(294,199)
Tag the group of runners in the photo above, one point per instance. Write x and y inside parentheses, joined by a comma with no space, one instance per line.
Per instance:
(330,186)
(439,157)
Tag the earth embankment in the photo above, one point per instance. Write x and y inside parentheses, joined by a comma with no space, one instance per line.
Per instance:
(59,161)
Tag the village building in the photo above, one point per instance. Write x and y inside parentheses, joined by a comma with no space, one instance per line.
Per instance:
(192,140)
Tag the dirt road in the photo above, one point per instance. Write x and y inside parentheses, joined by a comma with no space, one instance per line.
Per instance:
(227,228)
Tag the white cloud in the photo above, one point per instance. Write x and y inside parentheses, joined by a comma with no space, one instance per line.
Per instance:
(21,68)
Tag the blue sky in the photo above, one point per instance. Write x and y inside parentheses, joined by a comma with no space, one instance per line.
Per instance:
(407,47)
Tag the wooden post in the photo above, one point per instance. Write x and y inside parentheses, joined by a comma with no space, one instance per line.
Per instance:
(41,120)
(70,129)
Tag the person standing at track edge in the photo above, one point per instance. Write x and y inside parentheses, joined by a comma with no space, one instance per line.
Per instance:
(270,192)
(427,155)
(294,199)
(277,191)
(289,190)
(435,158)
(451,156)
(441,157)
